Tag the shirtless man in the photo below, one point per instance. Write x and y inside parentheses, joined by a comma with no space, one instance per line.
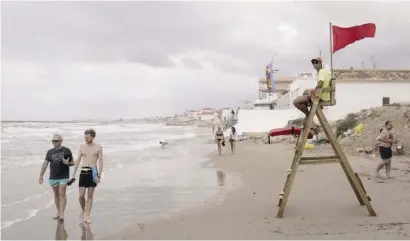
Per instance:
(89,153)
(60,158)
(386,153)
(219,139)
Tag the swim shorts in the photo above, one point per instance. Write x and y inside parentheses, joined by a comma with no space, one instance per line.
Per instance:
(87,177)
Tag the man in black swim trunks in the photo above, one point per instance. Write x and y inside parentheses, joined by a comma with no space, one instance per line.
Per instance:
(385,148)
(91,157)
(60,158)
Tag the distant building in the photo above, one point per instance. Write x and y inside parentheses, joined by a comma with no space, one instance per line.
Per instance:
(191,114)
(206,114)
(280,84)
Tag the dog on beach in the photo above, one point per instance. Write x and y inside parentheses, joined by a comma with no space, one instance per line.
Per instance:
(163,144)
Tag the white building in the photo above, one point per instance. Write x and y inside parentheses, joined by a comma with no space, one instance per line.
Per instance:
(355,90)
(206,114)
(191,114)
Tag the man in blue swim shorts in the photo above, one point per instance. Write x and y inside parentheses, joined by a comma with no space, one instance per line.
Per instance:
(60,159)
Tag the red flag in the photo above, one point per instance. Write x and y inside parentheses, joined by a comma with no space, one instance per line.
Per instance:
(345,36)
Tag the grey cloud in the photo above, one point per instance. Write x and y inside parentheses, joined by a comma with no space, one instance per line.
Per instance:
(191,63)
(150,32)
(238,39)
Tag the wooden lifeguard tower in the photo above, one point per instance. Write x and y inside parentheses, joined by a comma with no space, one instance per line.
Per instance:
(339,157)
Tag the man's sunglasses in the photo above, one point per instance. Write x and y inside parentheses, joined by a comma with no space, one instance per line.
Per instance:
(55,141)
(315,62)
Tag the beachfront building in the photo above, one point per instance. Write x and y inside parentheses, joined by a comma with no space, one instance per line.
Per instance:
(266,99)
(356,89)
(281,85)
(207,114)
(191,114)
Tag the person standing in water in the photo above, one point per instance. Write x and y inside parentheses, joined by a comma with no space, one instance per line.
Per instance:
(385,148)
(60,158)
(233,137)
(219,138)
(89,153)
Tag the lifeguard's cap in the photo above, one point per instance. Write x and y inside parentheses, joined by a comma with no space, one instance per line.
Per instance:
(316,60)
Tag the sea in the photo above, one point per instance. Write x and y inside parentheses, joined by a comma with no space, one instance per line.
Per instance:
(140,182)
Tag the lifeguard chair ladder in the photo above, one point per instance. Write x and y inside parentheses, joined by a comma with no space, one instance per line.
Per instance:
(340,157)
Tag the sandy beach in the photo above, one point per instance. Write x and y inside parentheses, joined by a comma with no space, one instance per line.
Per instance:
(322,204)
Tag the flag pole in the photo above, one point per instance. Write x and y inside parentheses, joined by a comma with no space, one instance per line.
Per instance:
(331,48)
(332,76)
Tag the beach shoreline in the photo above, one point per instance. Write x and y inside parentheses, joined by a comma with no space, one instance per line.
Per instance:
(140,179)
(322,204)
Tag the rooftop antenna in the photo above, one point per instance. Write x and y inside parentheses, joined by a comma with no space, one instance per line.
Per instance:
(373,62)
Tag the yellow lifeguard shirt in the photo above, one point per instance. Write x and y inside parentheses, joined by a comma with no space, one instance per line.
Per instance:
(324,76)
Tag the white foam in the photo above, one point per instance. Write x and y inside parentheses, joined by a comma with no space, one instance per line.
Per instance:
(25,200)
(25,143)
(31,214)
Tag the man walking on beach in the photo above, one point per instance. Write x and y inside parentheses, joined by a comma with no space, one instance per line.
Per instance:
(89,153)
(303,102)
(219,138)
(385,148)
(60,158)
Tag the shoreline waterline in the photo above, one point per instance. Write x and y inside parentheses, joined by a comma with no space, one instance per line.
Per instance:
(161,183)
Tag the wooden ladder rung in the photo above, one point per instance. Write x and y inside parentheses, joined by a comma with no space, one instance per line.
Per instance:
(312,158)
(319,162)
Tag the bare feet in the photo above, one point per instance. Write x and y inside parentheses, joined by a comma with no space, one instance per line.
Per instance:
(57,216)
(61,218)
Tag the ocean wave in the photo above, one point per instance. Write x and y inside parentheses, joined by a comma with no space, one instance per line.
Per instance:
(24,146)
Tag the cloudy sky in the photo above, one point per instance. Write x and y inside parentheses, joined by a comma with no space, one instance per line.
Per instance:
(80,60)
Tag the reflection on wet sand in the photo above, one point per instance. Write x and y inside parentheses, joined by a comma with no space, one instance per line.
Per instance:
(86,233)
(221,178)
(61,233)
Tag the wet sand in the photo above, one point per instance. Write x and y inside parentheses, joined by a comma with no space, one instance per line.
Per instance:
(322,204)
(149,184)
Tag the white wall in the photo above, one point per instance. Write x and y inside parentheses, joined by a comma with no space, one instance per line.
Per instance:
(226,113)
(264,120)
(353,97)
(206,117)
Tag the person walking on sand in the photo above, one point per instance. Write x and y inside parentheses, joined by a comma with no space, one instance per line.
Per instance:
(233,137)
(60,158)
(219,138)
(89,153)
(385,148)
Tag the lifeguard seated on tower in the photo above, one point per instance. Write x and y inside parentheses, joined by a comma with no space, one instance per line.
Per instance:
(323,82)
